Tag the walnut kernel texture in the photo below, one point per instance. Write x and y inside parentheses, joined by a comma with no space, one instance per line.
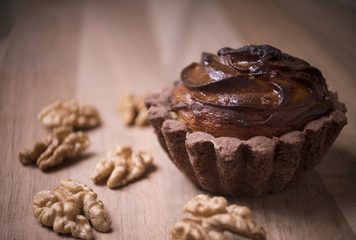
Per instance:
(69,113)
(211,217)
(122,166)
(133,110)
(62,144)
(71,209)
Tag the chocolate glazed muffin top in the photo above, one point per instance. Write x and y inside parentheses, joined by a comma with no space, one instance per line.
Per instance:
(252,91)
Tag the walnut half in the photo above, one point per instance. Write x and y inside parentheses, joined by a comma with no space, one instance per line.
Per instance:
(63,143)
(70,208)
(122,166)
(69,113)
(211,217)
(133,110)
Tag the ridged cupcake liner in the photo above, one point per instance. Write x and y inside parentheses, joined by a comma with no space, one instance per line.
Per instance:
(254,167)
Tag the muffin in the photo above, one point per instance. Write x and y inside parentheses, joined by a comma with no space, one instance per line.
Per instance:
(247,121)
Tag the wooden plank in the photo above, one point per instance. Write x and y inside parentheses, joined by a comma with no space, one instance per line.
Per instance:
(39,67)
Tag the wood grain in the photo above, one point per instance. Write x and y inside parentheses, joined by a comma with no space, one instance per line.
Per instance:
(97,51)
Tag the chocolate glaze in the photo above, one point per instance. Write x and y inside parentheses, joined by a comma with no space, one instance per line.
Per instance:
(252,91)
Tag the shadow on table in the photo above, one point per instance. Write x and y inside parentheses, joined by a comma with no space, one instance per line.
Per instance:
(70,162)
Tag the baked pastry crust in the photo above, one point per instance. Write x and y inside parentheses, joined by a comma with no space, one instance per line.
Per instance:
(253,167)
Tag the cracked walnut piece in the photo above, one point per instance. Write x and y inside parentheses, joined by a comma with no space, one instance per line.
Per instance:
(69,113)
(211,217)
(63,143)
(122,166)
(133,110)
(69,208)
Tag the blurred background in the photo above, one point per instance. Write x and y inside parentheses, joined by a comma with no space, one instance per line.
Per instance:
(9,11)
(303,10)
(326,17)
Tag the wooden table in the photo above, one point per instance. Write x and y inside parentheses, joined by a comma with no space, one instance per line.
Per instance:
(97,51)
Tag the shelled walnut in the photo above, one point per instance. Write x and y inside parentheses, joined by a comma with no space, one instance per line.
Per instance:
(133,110)
(63,143)
(211,217)
(69,113)
(70,208)
(122,166)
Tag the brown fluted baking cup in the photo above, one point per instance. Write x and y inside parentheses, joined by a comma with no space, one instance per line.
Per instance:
(253,167)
